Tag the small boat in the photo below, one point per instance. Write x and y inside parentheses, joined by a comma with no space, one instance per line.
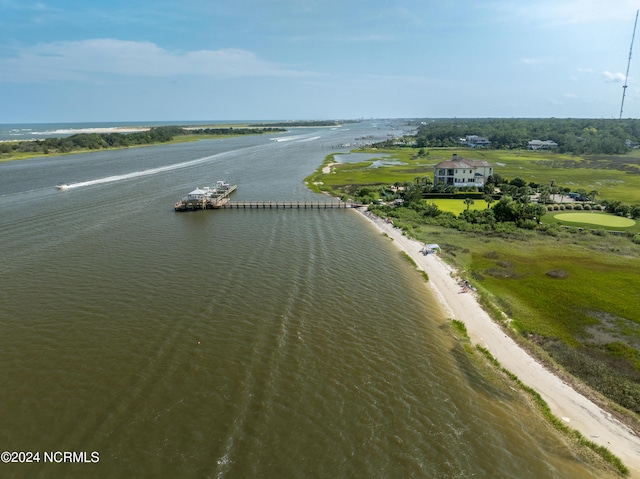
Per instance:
(63,186)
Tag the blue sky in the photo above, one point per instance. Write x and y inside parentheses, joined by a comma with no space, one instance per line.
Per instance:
(166,60)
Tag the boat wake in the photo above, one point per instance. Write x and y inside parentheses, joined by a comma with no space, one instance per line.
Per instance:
(136,174)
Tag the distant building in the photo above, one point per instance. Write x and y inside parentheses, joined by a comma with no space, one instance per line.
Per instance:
(461,172)
(475,141)
(542,145)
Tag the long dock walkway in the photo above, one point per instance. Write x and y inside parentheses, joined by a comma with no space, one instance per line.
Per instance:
(300,205)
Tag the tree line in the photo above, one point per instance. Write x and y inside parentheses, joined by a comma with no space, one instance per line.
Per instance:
(99,141)
(573,135)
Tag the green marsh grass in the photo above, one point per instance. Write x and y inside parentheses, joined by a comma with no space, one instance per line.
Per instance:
(514,273)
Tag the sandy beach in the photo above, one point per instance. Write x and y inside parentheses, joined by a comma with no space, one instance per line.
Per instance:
(575,409)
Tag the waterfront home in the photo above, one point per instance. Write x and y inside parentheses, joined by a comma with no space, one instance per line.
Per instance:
(542,145)
(460,172)
(475,141)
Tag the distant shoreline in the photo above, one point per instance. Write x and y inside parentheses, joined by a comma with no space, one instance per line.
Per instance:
(177,134)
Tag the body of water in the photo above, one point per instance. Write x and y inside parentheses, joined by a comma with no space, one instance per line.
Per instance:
(232,343)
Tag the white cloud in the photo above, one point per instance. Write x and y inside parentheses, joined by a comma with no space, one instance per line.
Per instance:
(613,77)
(87,59)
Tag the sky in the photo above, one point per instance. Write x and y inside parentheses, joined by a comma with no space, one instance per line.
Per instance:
(213,60)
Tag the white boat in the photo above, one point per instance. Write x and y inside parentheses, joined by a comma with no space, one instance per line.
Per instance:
(63,186)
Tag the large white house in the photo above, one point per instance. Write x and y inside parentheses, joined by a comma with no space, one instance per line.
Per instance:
(461,172)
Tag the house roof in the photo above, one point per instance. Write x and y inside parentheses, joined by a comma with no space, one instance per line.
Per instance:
(463,163)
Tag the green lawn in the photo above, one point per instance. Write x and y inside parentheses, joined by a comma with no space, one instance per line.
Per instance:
(592,220)
(597,219)
(458,206)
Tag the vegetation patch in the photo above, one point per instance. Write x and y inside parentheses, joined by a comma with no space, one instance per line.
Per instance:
(459,327)
(557,274)
(502,273)
(604,376)
(598,219)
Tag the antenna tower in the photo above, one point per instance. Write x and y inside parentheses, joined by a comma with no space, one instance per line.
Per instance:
(626,77)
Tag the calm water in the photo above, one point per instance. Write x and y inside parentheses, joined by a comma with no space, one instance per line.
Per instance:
(232,344)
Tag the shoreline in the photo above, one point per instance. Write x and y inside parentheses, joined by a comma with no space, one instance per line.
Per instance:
(577,411)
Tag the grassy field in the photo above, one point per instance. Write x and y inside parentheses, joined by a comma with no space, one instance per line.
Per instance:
(458,206)
(592,220)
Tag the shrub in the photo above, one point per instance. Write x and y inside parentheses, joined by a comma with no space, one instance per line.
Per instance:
(501,273)
(577,207)
(636,239)
(598,207)
(557,274)
(587,207)
(556,208)
(569,207)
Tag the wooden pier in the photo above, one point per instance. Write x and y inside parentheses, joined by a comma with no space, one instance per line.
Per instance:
(300,205)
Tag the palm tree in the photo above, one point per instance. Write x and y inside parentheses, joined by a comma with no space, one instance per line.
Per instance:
(489,199)
(468,202)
